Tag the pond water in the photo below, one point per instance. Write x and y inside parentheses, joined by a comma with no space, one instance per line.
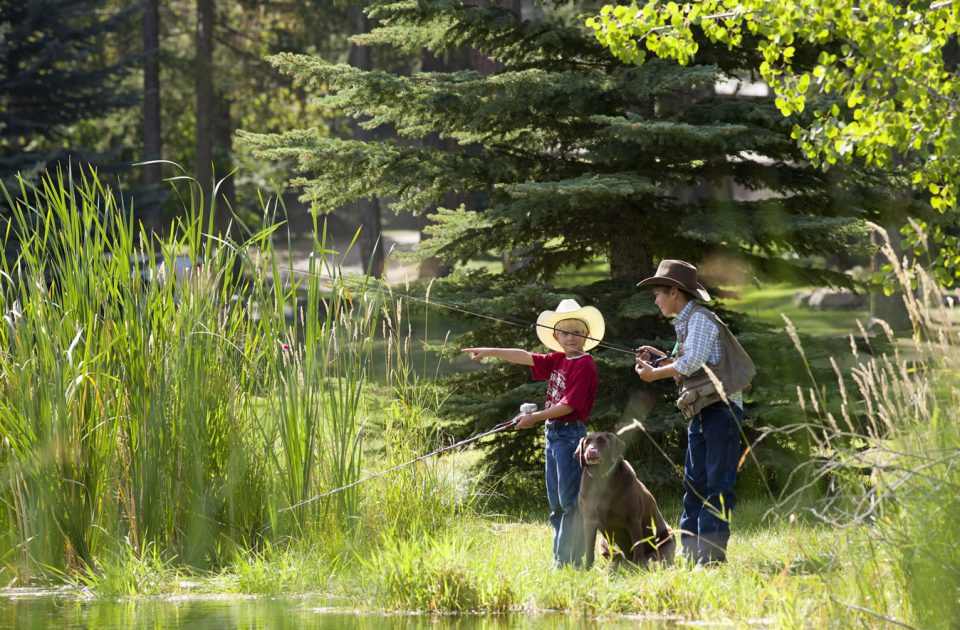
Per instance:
(28,610)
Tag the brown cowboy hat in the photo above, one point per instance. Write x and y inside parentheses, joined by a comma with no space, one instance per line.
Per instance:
(676,273)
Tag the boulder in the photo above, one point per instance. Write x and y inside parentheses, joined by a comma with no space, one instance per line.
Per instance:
(802,298)
(835,300)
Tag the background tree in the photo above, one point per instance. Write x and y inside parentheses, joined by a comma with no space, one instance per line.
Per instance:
(884,87)
(212,115)
(159,70)
(152,123)
(249,92)
(573,157)
(52,79)
(367,210)
(452,60)
(58,82)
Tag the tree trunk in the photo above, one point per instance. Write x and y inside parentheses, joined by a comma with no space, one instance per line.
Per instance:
(223,159)
(631,257)
(204,101)
(889,308)
(152,148)
(454,60)
(367,211)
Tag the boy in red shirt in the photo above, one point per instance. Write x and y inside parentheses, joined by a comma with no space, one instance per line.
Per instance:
(570,331)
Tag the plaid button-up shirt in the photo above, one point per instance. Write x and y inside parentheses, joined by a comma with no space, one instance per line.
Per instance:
(701,344)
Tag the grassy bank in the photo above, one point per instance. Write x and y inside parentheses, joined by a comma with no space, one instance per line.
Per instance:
(768,303)
(784,574)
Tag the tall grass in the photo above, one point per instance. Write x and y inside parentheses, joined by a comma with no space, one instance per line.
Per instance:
(319,364)
(428,496)
(177,415)
(891,457)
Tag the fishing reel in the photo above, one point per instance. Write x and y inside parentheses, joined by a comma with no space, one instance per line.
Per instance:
(654,362)
(524,408)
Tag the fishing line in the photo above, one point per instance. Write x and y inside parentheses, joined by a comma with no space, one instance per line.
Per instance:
(511,321)
(500,427)
(454,307)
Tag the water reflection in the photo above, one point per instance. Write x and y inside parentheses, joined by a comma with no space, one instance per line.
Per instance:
(37,610)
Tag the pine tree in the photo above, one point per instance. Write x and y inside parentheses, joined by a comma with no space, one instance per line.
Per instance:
(50,78)
(568,157)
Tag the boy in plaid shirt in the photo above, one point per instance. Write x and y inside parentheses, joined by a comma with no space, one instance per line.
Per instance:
(706,353)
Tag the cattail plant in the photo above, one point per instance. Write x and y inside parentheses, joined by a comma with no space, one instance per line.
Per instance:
(164,409)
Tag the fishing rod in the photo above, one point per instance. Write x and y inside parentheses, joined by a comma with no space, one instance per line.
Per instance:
(500,427)
(525,408)
(512,321)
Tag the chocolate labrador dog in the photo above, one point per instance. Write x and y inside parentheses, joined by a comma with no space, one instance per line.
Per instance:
(614,502)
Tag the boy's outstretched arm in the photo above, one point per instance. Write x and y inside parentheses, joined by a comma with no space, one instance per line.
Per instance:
(513,355)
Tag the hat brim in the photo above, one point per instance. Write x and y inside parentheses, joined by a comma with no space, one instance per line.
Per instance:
(699,292)
(589,315)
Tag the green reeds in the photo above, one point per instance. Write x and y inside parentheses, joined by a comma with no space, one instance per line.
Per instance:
(319,366)
(155,396)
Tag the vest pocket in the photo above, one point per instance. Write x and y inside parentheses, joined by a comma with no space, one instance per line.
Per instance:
(694,396)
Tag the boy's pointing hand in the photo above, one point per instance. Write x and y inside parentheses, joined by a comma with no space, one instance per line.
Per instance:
(477,353)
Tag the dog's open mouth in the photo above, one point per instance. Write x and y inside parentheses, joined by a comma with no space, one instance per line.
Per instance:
(591,457)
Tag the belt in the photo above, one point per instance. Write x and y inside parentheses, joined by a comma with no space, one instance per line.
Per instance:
(561,424)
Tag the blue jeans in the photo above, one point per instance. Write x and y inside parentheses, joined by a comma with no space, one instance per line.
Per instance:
(563,486)
(713,450)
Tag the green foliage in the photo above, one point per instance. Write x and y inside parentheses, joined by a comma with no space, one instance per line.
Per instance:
(49,81)
(128,572)
(888,452)
(560,155)
(888,70)
(298,567)
(789,571)
(424,574)
(152,416)
(560,147)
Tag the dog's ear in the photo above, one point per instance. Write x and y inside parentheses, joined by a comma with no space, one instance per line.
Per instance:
(618,446)
(578,454)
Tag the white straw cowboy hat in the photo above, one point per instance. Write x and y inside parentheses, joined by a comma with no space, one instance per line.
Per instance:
(676,273)
(569,309)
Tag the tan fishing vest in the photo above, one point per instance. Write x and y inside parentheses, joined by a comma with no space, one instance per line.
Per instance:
(734,371)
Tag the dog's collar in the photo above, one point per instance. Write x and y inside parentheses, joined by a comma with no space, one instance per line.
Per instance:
(606,474)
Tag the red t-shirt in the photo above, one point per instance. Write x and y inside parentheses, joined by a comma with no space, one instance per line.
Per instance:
(573,382)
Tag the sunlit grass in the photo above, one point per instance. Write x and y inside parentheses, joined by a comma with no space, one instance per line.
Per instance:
(766,303)
(593,271)
(782,573)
